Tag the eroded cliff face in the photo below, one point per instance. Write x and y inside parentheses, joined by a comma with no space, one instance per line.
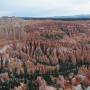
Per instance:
(50,44)
(39,52)
(11,28)
(54,43)
(59,42)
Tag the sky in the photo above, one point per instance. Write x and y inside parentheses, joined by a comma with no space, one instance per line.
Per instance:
(44,8)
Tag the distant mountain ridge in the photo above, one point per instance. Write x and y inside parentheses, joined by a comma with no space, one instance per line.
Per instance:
(73,17)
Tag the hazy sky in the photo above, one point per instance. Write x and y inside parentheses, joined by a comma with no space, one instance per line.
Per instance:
(44,7)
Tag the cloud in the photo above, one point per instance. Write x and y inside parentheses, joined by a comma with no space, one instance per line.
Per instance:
(43,7)
(27,4)
(4,13)
(85,7)
(82,8)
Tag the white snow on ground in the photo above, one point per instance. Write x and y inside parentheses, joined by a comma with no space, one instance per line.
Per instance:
(2,50)
(88,88)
